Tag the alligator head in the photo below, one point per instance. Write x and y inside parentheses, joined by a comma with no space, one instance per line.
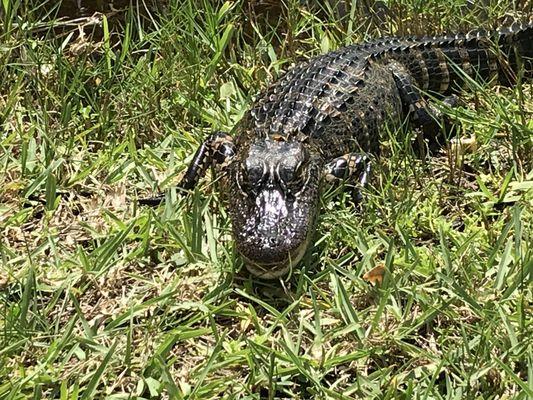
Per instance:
(273,204)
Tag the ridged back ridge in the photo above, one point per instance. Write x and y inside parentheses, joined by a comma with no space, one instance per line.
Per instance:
(312,94)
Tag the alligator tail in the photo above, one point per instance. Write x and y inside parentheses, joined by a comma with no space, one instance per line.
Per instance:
(518,39)
(491,56)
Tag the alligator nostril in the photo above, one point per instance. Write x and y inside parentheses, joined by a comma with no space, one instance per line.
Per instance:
(273,240)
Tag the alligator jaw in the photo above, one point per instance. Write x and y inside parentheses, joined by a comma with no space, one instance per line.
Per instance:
(276,270)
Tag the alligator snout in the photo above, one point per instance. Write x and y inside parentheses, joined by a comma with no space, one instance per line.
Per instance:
(274,240)
(272,255)
(268,246)
(274,235)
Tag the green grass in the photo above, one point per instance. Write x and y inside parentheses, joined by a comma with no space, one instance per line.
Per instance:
(100,298)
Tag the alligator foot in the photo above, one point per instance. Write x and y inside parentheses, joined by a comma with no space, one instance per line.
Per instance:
(217,150)
(437,132)
(152,201)
(348,166)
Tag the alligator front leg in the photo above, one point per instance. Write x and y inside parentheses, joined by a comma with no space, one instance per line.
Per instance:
(217,150)
(348,166)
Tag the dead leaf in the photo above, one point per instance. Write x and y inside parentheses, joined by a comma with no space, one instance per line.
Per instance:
(375,275)
(461,146)
(4,280)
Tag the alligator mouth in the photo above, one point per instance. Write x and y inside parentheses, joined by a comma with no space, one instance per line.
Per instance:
(276,269)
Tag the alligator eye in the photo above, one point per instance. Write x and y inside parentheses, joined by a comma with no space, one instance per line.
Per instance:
(286,174)
(255,174)
(244,182)
(292,178)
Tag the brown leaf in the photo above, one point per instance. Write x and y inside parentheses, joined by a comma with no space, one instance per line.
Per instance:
(375,275)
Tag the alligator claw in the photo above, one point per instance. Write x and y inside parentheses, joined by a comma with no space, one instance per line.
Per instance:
(152,201)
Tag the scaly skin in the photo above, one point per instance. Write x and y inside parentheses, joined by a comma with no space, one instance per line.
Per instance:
(333,105)
(272,234)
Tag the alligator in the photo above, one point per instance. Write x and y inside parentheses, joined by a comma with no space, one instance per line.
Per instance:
(320,123)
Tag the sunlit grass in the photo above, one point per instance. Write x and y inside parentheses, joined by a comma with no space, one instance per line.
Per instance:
(101,298)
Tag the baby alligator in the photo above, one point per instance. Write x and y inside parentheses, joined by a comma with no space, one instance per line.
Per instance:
(320,121)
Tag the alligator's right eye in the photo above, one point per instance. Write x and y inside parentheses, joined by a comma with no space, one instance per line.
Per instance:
(254,173)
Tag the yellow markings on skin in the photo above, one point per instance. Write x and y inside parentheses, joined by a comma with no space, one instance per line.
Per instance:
(413,108)
(352,165)
(445,73)
(218,141)
(493,65)
(424,69)
(277,137)
(465,60)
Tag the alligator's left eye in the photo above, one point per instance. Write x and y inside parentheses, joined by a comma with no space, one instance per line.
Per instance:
(290,175)
(291,170)
(287,174)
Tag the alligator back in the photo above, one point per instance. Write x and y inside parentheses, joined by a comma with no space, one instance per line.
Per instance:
(337,101)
